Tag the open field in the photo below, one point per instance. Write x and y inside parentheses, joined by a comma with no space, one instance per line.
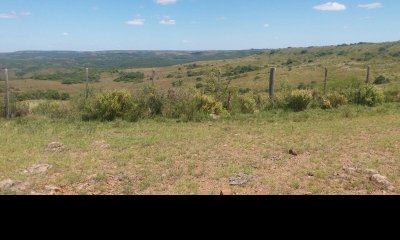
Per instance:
(337,150)
(352,149)
(294,65)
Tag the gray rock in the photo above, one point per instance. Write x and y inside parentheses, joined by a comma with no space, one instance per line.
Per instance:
(382,182)
(20,187)
(37,168)
(55,147)
(240,179)
(6,184)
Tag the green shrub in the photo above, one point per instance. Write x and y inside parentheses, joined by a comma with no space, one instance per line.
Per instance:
(199,85)
(39,94)
(246,103)
(135,77)
(333,100)
(109,105)
(151,100)
(181,104)
(381,80)
(209,105)
(262,100)
(299,100)
(368,95)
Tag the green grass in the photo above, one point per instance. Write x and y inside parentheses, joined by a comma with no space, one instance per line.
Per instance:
(166,157)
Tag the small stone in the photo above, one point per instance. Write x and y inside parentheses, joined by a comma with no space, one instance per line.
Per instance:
(310,174)
(38,168)
(293,152)
(382,182)
(6,184)
(55,147)
(240,179)
(20,187)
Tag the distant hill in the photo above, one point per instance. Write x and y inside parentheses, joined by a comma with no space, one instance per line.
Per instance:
(24,62)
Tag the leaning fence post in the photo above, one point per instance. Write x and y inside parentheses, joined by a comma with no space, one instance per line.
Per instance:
(87,84)
(271,89)
(326,81)
(368,74)
(7,95)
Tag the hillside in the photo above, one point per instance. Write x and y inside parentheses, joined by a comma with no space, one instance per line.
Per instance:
(25,62)
(296,66)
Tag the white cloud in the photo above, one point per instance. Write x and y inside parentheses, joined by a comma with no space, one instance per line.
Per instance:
(331,6)
(168,22)
(371,5)
(24,13)
(14,15)
(266,25)
(136,22)
(221,18)
(65,34)
(185,41)
(165,2)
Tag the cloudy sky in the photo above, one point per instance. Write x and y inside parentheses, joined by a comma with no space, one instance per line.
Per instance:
(193,24)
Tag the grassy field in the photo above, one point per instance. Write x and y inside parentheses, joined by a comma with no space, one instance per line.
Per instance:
(340,151)
(336,150)
(294,65)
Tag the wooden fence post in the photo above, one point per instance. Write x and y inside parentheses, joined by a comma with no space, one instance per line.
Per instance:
(271,89)
(87,84)
(153,76)
(326,81)
(368,74)
(7,96)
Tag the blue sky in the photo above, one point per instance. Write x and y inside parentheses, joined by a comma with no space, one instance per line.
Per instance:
(193,24)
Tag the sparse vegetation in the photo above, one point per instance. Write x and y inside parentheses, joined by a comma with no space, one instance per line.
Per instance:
(73,77)
(201,123)
(133,77)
